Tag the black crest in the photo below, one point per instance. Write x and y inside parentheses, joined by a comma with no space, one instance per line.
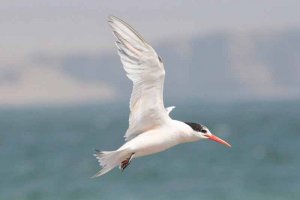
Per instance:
(195,126)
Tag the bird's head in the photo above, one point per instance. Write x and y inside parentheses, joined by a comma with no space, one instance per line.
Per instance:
(203,133)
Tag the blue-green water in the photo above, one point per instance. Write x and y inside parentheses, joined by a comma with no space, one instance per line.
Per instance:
(46,153)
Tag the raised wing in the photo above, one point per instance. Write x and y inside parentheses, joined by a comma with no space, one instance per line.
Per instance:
(147,73)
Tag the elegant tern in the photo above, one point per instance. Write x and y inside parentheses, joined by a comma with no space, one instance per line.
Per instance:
(151,129)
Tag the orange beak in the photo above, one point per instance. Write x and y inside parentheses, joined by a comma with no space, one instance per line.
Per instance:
(217,139)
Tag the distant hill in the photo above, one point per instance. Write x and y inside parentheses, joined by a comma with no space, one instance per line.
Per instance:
(217,67)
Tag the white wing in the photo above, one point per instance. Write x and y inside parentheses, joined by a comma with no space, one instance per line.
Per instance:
(147,73)
(169,109)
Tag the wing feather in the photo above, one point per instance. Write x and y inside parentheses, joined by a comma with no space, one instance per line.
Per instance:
(147,73)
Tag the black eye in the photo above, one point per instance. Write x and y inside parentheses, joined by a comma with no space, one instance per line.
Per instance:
(203,131)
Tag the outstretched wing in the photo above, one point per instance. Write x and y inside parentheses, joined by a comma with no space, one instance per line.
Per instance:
(146,70)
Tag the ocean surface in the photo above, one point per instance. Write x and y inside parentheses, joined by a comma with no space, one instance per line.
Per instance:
(46,153)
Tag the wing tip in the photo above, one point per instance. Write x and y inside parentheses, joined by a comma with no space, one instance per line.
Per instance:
(114,21)
(111,17)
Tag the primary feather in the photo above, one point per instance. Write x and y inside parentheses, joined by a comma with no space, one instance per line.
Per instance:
(147,73)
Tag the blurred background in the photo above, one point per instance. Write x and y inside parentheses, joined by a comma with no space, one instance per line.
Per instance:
(231,65)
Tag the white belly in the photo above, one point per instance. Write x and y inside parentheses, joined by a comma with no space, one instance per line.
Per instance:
(151,142)
(160,139)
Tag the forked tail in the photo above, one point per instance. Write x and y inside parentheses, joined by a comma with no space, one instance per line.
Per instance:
(109,160)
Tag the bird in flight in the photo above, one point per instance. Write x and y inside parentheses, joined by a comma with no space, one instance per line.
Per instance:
(151,129)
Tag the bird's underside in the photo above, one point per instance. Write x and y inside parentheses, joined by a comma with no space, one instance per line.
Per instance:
(146,71)
(150,130)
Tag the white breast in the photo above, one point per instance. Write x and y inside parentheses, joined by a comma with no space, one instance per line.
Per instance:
(160,139)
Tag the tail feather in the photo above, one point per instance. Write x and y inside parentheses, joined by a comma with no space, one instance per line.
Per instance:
(109,160)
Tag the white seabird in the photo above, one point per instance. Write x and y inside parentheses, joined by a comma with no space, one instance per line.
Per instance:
(151,130)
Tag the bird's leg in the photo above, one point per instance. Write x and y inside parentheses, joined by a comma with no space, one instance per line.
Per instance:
(126,162)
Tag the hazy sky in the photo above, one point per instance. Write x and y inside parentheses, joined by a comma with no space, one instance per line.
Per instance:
(60,28)
(76,25)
